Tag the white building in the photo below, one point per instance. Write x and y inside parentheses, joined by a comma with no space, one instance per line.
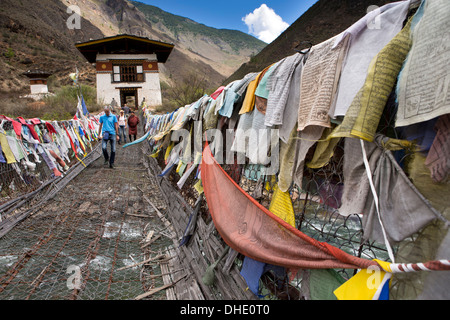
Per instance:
(127,68)
(38,81)
(38,84)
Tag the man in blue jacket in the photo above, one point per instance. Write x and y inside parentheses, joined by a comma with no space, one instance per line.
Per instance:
(107,131)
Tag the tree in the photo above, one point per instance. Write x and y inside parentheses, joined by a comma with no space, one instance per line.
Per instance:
(187,90)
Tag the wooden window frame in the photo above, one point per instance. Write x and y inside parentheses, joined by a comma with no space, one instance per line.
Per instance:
(128,73)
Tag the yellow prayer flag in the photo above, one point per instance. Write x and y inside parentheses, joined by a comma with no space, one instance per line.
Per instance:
(281,206)
(155,155)
(169,148)
(365,285)
(180,163)
(249,101)
(199,187)
(6,149)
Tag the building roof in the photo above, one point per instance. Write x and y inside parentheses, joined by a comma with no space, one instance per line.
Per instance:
(125,44)
(36,73)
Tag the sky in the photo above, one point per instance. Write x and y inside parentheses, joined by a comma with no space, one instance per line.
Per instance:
(265,20)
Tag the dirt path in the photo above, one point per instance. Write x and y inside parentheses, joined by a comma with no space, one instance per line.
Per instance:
(78,245)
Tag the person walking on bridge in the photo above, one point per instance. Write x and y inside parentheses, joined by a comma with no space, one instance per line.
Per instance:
(122,118)
(133,122)
(108,131)
(126,109)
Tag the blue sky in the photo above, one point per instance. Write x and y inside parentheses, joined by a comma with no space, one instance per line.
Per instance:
(263,19)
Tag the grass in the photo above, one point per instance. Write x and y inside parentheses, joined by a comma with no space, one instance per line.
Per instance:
(9,53)
(60,106)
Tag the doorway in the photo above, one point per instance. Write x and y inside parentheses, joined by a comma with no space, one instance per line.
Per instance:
(130,97)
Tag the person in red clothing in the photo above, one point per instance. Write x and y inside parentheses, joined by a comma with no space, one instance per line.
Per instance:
(133,122)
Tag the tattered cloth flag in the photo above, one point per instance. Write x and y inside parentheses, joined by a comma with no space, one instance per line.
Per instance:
(83,105)
(249,228)
(138,140)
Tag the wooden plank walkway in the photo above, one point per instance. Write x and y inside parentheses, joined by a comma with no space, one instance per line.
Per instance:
(121,228)
(202,250)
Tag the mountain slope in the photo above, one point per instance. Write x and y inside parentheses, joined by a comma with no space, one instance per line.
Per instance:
(224,50)
(325,19)
(120,16)
(36,36)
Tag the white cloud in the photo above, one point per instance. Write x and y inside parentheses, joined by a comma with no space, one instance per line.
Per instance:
(265,24)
